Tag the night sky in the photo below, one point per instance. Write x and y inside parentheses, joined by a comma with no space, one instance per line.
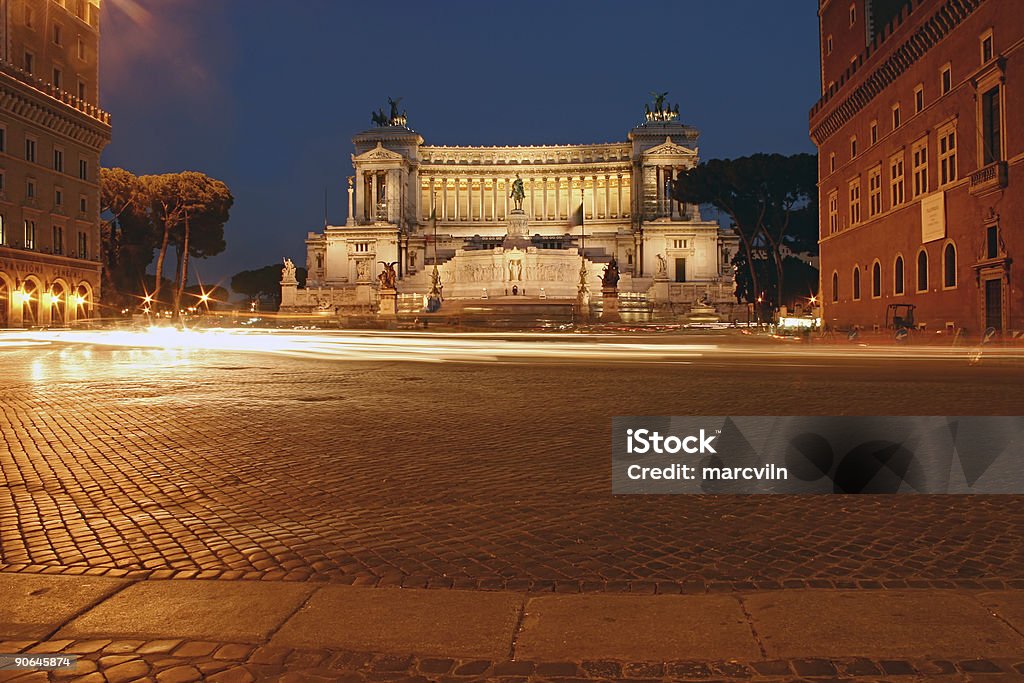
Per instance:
(267,95)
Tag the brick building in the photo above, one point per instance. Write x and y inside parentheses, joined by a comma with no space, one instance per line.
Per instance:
(51,134)
(919,132)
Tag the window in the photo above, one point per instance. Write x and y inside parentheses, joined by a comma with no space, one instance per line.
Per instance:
(918,99)
(853,147)
(81,49)
(946,79)
(3,183)
(83,245)
(83,204)
(895,116)
(28,15)
(949,266)
(58,197)
(991,241)
(855,202)
(30,234)
(833,212)
(81,91)
(30,189)
(58,77)
(3,231)
(57,34)
(947,155)
(856,283)
(832,162)
(919,168)
(58,240)
(922,271)
(828,45)
(30,62)
(58,159)
(3,139)
(987,47)
(896,192)
(362,246)
(874,132)
(875,191)
(991,127)
(30,149)
(835,287)
(853,14)
(897,276)
(83,169)
(876,280)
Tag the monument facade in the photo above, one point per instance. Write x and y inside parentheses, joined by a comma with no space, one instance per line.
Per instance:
(534,221)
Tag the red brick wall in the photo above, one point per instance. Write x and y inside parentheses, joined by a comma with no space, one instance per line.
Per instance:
(898,230)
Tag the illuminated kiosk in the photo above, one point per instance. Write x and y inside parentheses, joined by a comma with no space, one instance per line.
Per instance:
(458,208)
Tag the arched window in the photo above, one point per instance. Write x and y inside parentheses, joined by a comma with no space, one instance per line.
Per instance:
(876,280)
(898,276)
(856,283)
(922,271)
(949,266)
(835,287)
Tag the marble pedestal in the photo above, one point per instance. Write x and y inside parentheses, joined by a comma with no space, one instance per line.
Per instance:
(610,305)
(387,303)
(518,230)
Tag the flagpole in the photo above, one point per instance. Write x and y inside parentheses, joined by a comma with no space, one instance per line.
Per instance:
(434,300)
(583,296)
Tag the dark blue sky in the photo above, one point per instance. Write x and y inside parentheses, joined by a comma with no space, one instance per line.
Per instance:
(266,95)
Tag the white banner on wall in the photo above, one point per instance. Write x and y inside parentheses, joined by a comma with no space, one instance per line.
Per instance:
(933,217)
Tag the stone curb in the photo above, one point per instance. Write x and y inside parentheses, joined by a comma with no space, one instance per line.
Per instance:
(185,660)
(659,587)
(795,632)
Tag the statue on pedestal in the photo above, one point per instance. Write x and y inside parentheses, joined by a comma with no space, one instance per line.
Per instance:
(288,273)
(662,266)
(611,274)
(388,277)
(518,193)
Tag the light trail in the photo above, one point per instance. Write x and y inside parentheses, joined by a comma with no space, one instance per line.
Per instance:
(509,347)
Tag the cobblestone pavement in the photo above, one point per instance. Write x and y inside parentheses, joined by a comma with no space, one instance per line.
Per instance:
(233,465)
(179,661)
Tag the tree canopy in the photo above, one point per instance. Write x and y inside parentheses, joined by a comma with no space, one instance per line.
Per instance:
(186,210)
(772,202)
(263,283)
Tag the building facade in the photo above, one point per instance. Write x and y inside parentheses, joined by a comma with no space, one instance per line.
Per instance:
(51,134)
(414,205)
(920,150)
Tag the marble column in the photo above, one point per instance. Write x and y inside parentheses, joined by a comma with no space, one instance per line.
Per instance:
(458,196)
(618,203)
(494,199)
(444,199)
(558,190)
(607,196)
(360,196)
(483,200)
(351,215)
(544,201)
(469,198)
(533,203)
(373,196)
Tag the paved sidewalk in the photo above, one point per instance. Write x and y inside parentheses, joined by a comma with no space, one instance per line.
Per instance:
(181,630)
